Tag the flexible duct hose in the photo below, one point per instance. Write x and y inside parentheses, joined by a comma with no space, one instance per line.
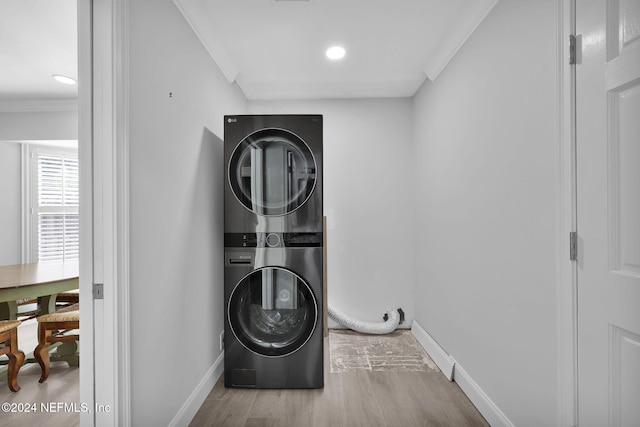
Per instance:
(377,328)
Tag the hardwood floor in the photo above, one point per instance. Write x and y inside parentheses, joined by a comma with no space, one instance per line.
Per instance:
(348,399)
(62,387)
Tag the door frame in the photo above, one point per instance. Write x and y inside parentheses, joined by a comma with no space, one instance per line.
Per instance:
(104,214)
(566,270)
(103,116)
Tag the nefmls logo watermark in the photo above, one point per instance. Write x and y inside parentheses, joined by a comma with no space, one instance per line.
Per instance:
(53,407)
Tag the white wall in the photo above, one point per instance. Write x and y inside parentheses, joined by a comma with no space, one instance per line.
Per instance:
(486,160)
(16,126)
(10,203)
(368,201)
(177,98)
(38,125)
(454,190)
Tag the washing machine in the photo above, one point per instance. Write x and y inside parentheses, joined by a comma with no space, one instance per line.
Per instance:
(274,173)
(273,315)
(273,251)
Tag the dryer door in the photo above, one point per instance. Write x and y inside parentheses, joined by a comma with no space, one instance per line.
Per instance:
(272,172)
(272,311)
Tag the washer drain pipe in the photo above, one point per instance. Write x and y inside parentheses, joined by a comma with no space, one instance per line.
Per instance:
(392,319)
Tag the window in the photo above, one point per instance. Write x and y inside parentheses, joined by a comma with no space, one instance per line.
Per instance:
(52,204)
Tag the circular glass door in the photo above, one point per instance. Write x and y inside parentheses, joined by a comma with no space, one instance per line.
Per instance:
(272,172)
(272,311)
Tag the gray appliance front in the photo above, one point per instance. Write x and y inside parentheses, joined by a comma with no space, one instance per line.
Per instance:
(273,317)
(273,173)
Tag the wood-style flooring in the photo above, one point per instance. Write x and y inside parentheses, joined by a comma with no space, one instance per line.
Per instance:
(349,399)
(60,389)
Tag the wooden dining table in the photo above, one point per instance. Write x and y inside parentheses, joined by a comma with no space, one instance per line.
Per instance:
(42,280)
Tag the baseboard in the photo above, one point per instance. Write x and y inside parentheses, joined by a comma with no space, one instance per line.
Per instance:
(489,410)
(454,372)
(437,353)
(200,393)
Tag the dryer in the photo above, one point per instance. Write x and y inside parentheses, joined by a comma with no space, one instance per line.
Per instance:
(273,315)
(274,173)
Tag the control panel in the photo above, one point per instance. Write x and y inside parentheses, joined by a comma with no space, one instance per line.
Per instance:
(272,240)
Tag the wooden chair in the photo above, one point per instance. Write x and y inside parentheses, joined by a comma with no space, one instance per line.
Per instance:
(54,327)
(27,308)
(65,299)
(9,337)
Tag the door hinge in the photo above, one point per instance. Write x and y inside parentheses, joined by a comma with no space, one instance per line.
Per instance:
(573,246)
(572,49)
(98,291)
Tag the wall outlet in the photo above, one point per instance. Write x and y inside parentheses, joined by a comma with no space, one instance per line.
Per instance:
(221,340)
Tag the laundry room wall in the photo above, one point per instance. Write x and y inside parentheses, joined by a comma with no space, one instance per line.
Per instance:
(178,98)
(368,201)
(487,168)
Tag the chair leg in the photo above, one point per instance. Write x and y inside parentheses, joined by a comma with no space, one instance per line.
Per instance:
(15,363)
(41,353)
(16,359)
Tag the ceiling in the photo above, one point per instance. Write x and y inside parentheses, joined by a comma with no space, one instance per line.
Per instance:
(38,38)
(273,49)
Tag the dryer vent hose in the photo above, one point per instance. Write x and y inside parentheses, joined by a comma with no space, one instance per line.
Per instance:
(378,328)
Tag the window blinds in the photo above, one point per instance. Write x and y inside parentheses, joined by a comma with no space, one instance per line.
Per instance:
(57,207)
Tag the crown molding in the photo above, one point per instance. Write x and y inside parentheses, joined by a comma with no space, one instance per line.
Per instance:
(457,37)
(195,15)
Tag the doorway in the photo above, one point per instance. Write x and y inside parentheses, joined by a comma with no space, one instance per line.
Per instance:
(38,118)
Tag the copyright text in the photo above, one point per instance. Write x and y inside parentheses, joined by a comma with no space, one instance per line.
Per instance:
(52,407)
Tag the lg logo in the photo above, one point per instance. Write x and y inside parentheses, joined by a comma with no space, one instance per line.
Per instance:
(232,120)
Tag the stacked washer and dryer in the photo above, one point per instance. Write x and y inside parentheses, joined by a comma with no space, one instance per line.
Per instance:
(273,251)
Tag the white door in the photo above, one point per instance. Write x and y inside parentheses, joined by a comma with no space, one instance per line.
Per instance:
(608,215)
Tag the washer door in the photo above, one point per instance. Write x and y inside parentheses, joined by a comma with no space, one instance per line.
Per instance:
(272,311)
(272,172)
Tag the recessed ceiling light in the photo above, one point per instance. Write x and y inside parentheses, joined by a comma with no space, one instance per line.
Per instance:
(335,52)
(64,79)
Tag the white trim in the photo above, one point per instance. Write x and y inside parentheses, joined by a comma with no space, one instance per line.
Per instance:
(27,224)
(195,15)
(109,217)
(448,48)
(489,410)
(566,270)
(30,151)
(122,309)
(119,227)
(437,353)
(105,385)
(65,144)
(199,394)
(454,372)
(28,253)
(85,155)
